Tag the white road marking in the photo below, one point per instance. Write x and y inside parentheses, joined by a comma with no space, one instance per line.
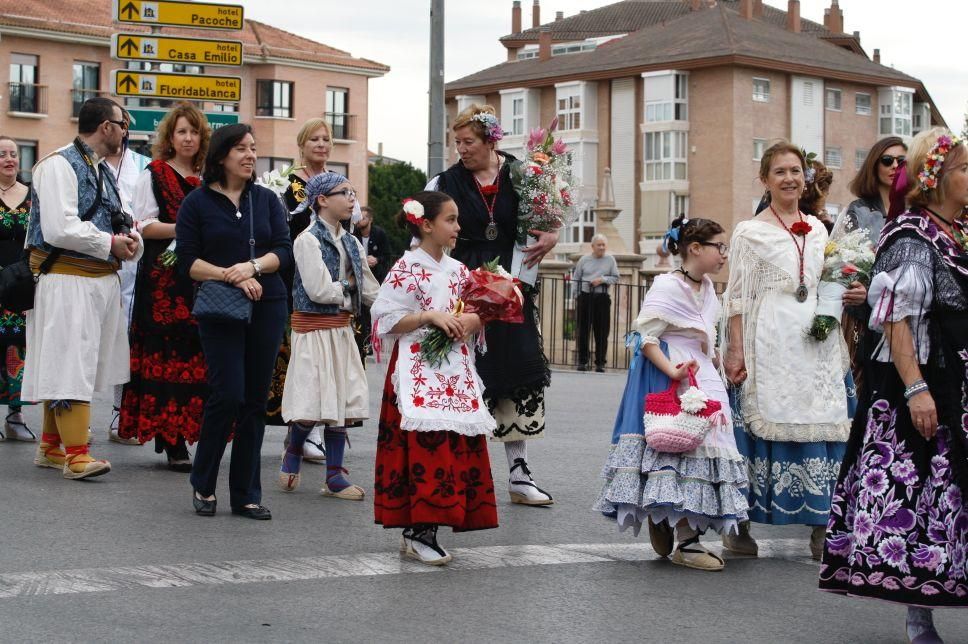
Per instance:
(99,580)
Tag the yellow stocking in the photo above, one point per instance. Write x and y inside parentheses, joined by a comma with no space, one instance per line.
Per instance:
(49,451)
(73,424)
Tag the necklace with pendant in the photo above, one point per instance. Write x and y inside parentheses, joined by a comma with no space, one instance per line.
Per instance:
(490,232)
(801,292)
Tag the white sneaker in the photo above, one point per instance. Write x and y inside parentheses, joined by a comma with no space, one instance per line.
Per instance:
(422,545)
(113,435)
(313,448)
(523,491)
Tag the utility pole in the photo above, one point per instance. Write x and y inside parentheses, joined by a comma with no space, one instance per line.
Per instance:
(437,125)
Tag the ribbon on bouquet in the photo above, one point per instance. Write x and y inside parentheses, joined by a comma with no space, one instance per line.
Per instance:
(830,299)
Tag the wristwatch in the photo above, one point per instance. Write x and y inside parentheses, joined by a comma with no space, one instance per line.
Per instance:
(346,286)
(257,266)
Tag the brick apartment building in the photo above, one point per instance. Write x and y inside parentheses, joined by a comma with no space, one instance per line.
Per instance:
(58,54)
(680,98)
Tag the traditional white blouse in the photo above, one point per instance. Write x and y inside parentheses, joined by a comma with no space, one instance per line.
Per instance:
(321,287)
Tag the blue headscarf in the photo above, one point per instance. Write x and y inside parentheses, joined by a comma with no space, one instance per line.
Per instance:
(319,186)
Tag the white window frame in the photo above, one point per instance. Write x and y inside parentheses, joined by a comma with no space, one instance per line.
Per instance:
(833,157)
(517,116)
(896,108)
(860,155)
(675,108)
(568,107)
(833,99)
(761,96)
(863,110)
(666,156)
(680,206)
(759,148)
(582,229)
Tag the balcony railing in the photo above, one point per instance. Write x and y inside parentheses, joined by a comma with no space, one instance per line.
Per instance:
(78,96)
(27,98)
(342,125)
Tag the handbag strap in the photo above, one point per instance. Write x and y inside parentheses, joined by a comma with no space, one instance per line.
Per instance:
(251,230)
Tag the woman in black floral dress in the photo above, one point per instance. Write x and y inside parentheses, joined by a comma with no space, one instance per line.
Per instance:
(898,527)
(166,394)
(14,212)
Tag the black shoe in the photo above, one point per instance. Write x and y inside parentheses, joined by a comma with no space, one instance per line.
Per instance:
(202,507)
(258,512)
(179,460)
(583,367)
(599,369)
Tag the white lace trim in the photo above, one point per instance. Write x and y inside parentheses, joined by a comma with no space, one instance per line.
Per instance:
(437,425)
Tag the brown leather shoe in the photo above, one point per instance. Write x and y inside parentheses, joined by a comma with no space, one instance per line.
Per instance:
(661,537)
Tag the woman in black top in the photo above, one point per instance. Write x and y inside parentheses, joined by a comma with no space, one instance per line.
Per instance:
(514,369)
(213,231)
(14,212)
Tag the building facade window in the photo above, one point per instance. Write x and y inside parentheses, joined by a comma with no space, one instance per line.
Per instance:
(896,106)
(86,83)
(761,90)
(834,98)
(273,98)
(860,155)
(582,231)
(28,158)
(341,168)
(337,111)
(862,104)
(569,108)
(665,156)
(25,94)
(268,164)
(833,157)
(680,205)
(759,147)
(517,116)
(666,97)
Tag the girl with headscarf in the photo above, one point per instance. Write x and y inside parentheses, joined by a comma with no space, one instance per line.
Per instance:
(325,381)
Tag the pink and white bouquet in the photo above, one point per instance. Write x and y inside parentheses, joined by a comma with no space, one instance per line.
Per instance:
(847,259)
(545,195)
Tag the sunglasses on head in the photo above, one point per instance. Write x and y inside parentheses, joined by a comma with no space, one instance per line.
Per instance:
(887,160)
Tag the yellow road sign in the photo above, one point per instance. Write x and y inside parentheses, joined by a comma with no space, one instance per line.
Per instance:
(192,87)
(190,51)
(203,15)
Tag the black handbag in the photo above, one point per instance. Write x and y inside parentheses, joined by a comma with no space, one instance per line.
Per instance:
(223,302)
(18,283)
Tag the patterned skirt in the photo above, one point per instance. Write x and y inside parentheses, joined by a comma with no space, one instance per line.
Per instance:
(439,477)
(278,386)
(898,528)
(12,374)
(520,415)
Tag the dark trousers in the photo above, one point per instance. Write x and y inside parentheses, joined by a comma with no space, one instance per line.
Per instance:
(594,311)
(240,359)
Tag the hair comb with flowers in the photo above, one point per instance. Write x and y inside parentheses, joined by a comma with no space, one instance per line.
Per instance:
(492,127)
(934,161)
(414,211)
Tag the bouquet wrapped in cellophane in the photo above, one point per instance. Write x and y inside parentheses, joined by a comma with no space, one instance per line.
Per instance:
(492,294)
(846,259)
(546,197)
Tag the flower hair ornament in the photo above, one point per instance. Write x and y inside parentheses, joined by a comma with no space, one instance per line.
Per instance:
(673,233)
(934,162)
(492,128)
(809,172)
(414,211)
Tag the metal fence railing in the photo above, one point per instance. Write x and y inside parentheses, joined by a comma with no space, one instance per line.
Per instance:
(558,319)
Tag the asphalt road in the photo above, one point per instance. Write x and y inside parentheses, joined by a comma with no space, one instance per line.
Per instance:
(124,558)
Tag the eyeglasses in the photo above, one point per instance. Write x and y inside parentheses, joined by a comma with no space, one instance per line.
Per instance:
(346,192)
(887,160)
(723,248)
(120,124)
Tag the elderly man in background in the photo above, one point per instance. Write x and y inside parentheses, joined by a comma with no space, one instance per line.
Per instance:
(593,274)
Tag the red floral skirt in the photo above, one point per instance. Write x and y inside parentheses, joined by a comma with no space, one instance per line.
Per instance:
(441,478)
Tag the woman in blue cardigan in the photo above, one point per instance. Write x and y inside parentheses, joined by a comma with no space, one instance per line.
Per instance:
(213,244)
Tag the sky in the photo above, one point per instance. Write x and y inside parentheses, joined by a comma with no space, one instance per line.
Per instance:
(396,33)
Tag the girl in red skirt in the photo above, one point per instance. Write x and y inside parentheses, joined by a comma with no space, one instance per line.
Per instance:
(432,466)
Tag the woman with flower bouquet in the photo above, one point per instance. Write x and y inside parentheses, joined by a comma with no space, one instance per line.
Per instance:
(898,528)
(514,369)
(432,465)
(166,394)
(791,419)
